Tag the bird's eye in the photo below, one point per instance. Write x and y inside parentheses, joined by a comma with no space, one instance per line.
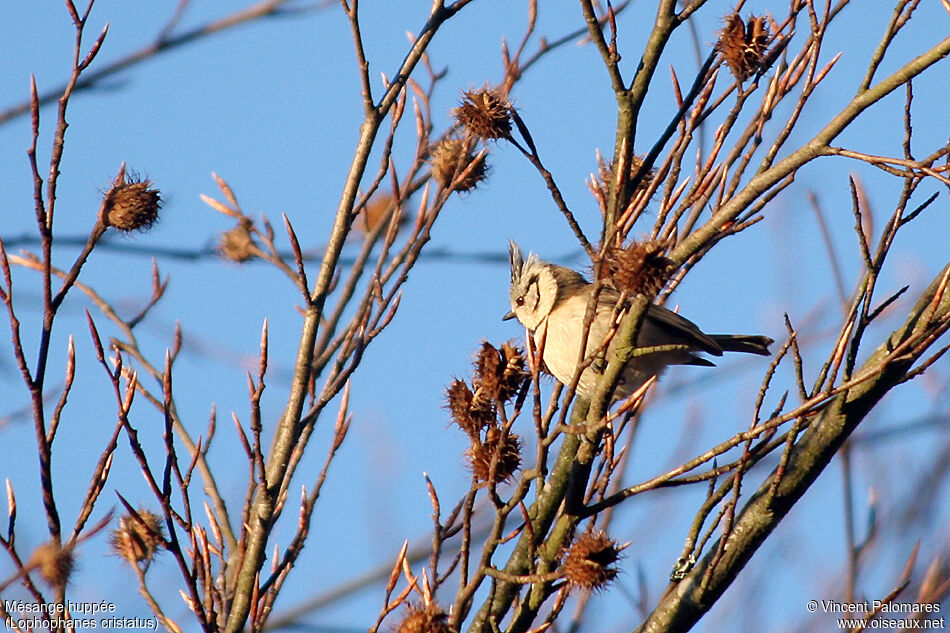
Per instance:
(520,301)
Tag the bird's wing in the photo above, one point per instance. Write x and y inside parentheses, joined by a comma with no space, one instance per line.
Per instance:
(683,328)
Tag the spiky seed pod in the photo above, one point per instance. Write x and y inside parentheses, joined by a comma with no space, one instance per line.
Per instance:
(376,210)
(606,174)
(743,45)
(137,540)
(499,373)
(484,114)
(515,371)
(640,268)
(131,204)
(470,415)
(451,158)
(237,244)
(589,563)
(424,619)
(489,367)
(54,562)
(502,449)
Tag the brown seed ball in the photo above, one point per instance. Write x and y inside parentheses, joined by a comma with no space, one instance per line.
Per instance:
(138,539)
(54,562)
(743,45)
(424,619)
(515,371)
(131,204)
(640,268)
(606,174)
(469,415)
(489,367)
(451,159)
(589,563)
(376,210)
(503,450)
(484,114)
(237,244)
(499,373)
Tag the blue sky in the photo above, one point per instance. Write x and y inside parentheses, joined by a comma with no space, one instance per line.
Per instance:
(274,109)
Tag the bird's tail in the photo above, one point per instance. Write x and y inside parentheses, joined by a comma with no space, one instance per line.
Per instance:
(750,344)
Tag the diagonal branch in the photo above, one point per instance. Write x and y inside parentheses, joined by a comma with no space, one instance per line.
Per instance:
(764,181)
(890,365)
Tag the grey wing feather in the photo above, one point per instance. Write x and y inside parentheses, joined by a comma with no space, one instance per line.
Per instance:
(682,327)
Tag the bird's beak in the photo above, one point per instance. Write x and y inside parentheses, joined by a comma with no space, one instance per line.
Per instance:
(508,316)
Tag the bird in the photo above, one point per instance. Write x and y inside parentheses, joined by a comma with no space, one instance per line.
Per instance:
(551,302)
